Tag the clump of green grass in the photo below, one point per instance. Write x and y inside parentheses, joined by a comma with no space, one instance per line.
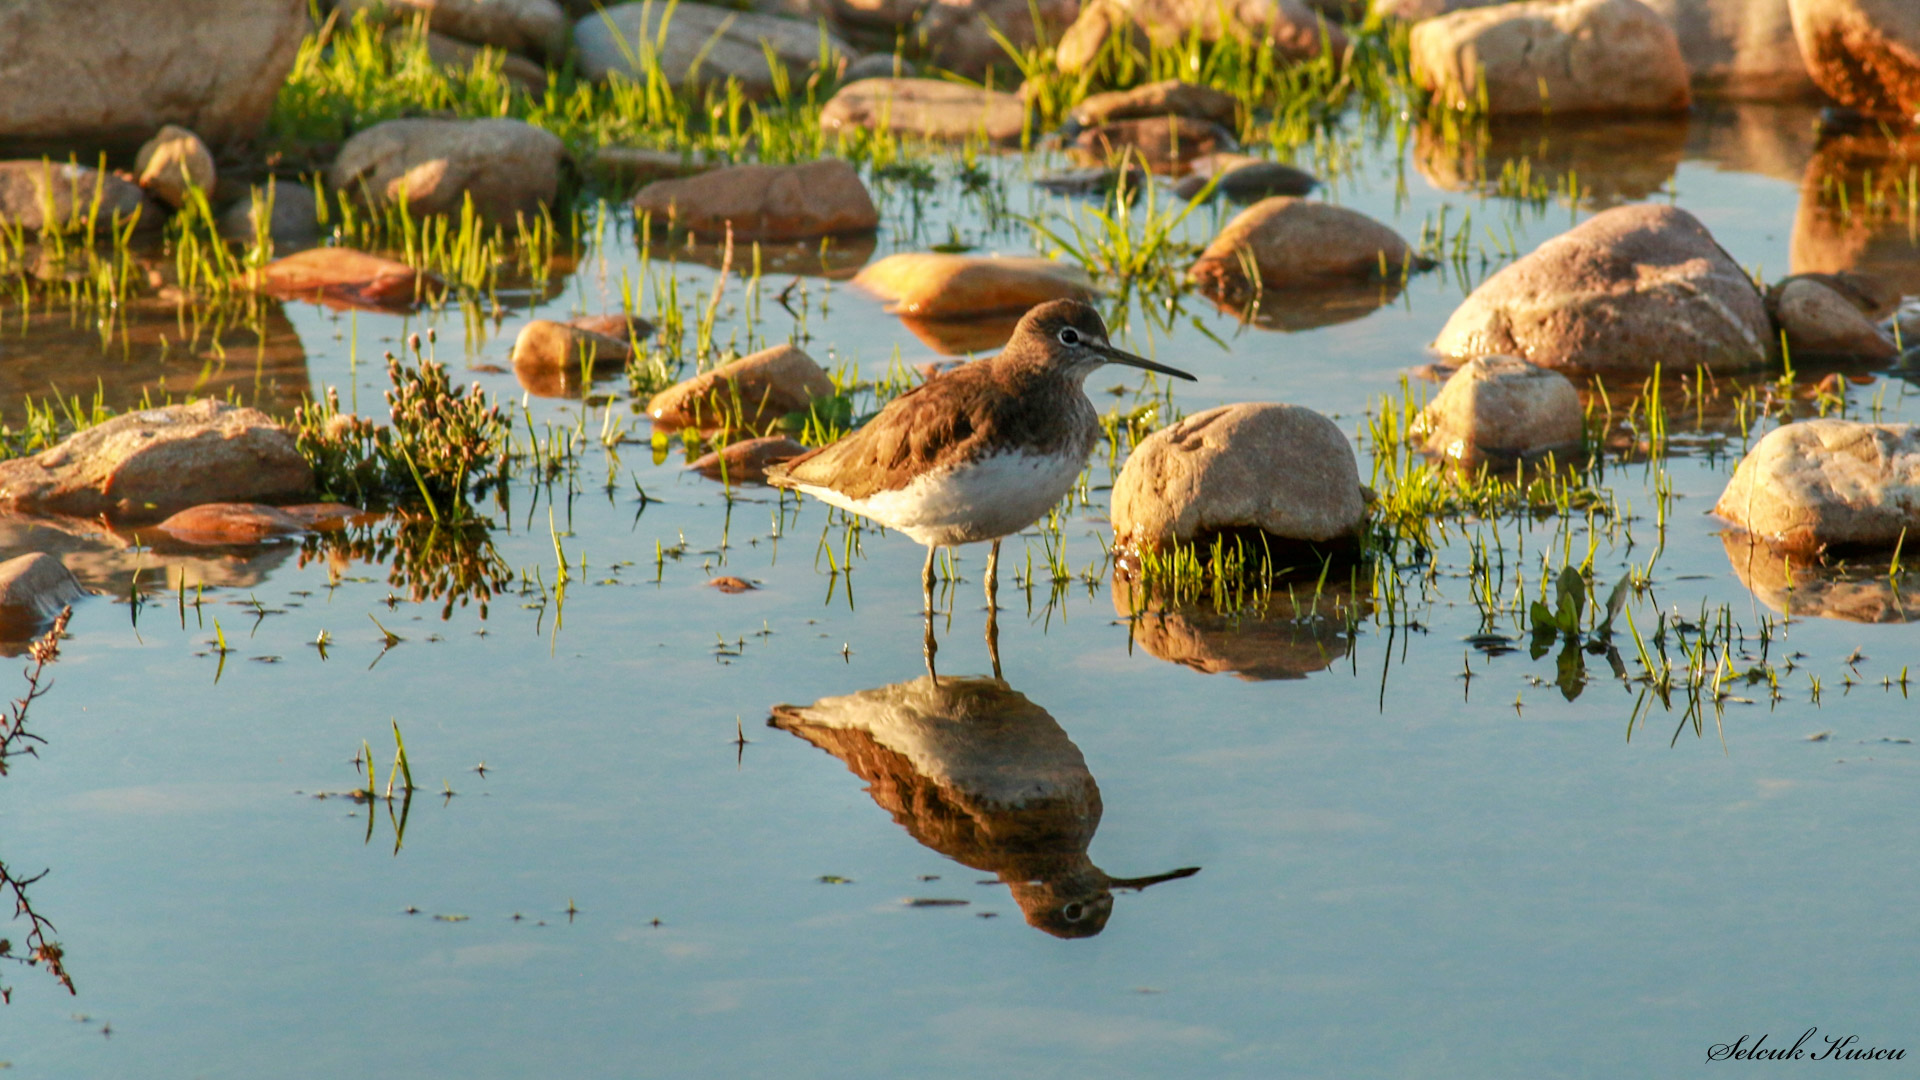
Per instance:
(439,442)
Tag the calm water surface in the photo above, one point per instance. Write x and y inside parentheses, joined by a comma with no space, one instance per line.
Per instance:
(1402,872)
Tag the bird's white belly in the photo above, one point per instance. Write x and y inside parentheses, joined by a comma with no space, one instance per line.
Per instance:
(985,499)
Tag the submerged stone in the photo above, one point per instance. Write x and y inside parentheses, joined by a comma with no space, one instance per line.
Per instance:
(748,394)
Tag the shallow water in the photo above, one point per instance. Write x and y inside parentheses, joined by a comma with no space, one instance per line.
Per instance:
(1401,872)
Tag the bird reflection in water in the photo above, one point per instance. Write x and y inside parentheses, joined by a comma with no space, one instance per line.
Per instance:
(975,771)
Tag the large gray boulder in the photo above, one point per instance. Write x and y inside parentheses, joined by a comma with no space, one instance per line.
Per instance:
(1629,288)
(1865,53)
(702,44)
(1283,469)
(113,72)
(508,166)
(1558,56)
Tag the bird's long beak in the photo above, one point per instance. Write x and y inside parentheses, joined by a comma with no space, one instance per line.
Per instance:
(1121,356)
(1152,879)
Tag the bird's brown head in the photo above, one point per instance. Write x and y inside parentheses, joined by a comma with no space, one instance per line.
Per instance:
(1070,336)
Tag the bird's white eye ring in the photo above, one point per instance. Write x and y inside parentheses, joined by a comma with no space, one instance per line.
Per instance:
(1069,336)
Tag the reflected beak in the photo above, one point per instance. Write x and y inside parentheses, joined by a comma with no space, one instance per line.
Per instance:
(1120,356)
(1152,879)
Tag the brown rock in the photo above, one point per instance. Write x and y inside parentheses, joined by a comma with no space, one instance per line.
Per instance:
(1170,97)
(732,585)
(447,52)
(172,162)
(152,463)
(1864,53)
(1738,49)
(702,44)
(1627,288)
(1820,484)
(327,517)
(287,209)
(1293,29)
(112,72)
(1820,323)
(231,523)
(765,202)
(936,286)
(873,15)
(1293,243)
(637,165)
(342,277)
(746,461)
(28,188)
(1282,469)
(548,356)
(1244,179)
(926,108)
(1162,143)
(33,589)
(1501,407)
(522,26)
(507,167)
(747,394)
(1559,56)
(960,35)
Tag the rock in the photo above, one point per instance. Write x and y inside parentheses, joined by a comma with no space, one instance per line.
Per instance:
(1097,181)
(702,44)
(1170,97)
(1558,56)
(152,463)
(1626,289)
(1501,407)
(1295,633)
(112,72)
(1864,53)
(1738,49)
(28,188)
(327,517)
(342,277)
(1797,588)
(1244,179)
(1820,323)
(959,35)
(287,208)
(453,53)
(231,523)
(1162,143)
(549,358)
(1295,31)
(506,166)
(748,394)
(936,286)
(1295,243)
(765,202)
(879,66)
(746,461)
(1820,484)
(636,165)
(731,585)
(518,26)
(33,589)
(1282,469)
(172,162)
(926,108)
(882,16)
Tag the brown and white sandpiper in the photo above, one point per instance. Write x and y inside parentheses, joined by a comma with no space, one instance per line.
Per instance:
(980,452)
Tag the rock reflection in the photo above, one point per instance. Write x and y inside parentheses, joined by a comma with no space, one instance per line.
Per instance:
(837,257)
(975,771)
(152,351)
(1296,309)
(1298,628)
(1855,212)
(962,337)
(1848,594)
(1618,162)
(106,559)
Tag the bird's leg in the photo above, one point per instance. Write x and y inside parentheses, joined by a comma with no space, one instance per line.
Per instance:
(929,647)
(926,584)
(993,607)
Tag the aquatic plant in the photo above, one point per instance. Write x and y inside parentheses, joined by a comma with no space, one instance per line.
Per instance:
(41,949)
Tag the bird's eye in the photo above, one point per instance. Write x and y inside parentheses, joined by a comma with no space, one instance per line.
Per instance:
(1069,336)
(1072,911)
